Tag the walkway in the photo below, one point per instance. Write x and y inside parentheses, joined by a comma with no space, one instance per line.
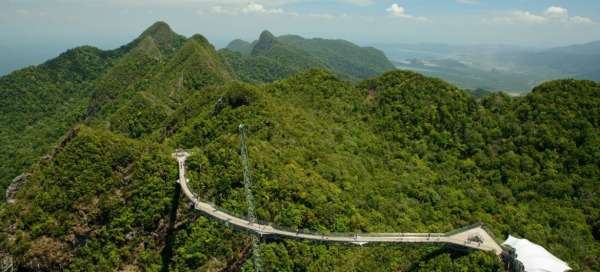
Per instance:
(475,236)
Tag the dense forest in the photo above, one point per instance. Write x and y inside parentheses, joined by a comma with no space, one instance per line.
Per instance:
(399,152)
(38,104)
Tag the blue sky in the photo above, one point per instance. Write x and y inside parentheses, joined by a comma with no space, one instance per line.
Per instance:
(33,29)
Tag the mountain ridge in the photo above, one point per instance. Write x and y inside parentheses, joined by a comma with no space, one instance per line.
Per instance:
(399,152)
(344,58)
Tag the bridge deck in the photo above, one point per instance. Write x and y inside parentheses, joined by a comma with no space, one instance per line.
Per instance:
(476,237)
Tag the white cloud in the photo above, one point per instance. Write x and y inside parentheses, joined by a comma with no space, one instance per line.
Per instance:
(396,10)
(553,14)
(249,8)
(258,8)
(254,8)
(581,20)
(525,17)
(562,14)
(399,11)
(223,10)
(556,12)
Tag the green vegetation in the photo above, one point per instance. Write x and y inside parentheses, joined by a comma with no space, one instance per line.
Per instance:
(344,58)
(396,153)
(38,104)
(272,58)
(241,46)
(479,92)
(255,69)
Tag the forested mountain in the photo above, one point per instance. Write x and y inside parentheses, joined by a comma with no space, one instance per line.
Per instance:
(400,152)
(342,56)
(38,104)
(146,78)
(241,46)
(580,61)
(271,58)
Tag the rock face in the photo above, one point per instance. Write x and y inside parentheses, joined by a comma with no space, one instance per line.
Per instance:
(15,185)
(63,142)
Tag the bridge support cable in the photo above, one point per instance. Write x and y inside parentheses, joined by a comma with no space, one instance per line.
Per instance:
(251,213)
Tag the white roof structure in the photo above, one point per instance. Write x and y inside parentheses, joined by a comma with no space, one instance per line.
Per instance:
(534,257)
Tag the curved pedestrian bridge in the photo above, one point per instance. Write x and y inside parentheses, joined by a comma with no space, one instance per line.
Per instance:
(474,236)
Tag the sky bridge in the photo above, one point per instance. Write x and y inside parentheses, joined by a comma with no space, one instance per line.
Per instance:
(474,236)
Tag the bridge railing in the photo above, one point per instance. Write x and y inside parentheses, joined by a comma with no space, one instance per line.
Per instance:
(465,228)
(261,222)
(401,234)
(303,231)
(352,234)
(221,209)
(298,231)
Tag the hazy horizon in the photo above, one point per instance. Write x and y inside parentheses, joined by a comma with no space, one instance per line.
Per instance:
(34,31)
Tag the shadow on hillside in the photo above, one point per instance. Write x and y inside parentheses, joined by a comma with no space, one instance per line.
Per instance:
(455,252)
(167,252)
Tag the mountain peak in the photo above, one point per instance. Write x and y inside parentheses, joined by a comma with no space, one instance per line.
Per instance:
(200,39)
(241,46)
(265,42)
(238,41)
(162,35)
(157,29)
(266,35)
